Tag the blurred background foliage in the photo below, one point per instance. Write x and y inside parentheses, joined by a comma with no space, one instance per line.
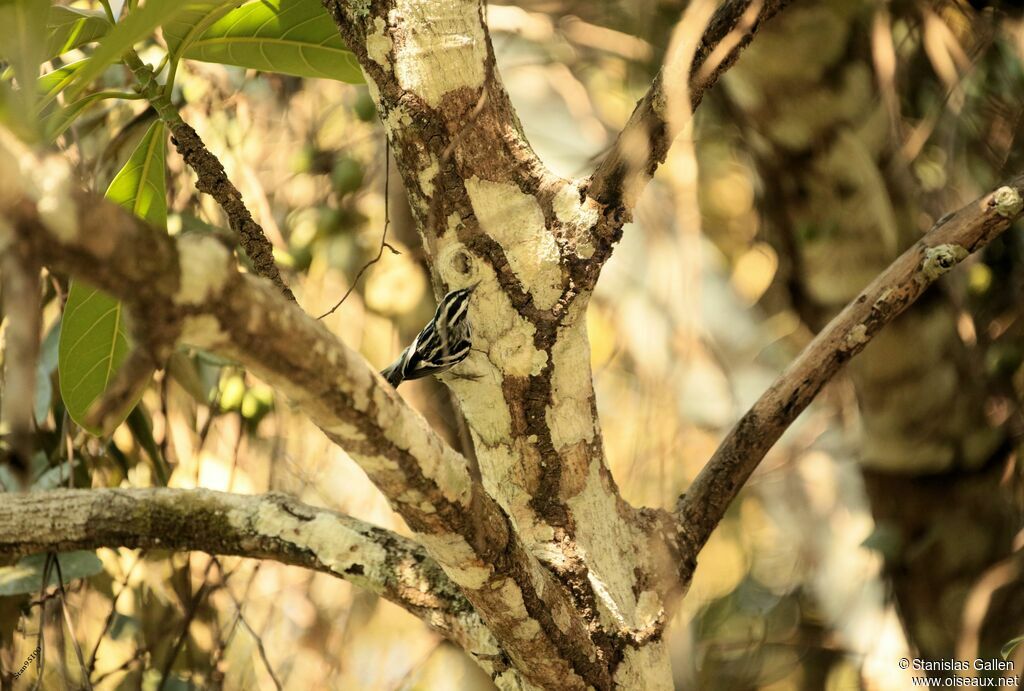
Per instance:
(846,130)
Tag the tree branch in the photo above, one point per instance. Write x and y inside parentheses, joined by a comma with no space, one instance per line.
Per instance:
(645,140)
(492,215)
(210,176)
(270,526)
(187,289)
(948,243)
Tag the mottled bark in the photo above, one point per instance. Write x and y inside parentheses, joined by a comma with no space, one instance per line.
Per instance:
(188,290)
(840,205)
(270,526)
(574,585)
(492,215)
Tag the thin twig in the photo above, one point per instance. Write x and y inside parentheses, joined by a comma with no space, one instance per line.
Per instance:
(259,645)
(383,237)
(224,640)
(190,613)
(241,618)
(41,643)
(71,629)
(137,657)
(113,612)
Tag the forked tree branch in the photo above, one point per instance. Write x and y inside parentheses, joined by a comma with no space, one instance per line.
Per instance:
(187,289)
(645,140)
(948,243)
(270,526)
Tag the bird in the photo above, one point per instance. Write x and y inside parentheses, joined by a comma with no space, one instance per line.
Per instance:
(443,343)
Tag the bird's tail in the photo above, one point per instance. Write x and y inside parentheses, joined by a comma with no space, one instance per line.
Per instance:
(393,372)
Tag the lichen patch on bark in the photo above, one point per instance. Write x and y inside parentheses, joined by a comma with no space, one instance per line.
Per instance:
(461,562)
(378,43)
(426,177)
(1007,201)
(570,417)
(205,265)
(439,48)
(857,336)
(202,331)
(578,217)
(336,549)
(940,259)
(515,221)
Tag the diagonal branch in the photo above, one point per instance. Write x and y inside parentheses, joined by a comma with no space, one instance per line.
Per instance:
(948,243)
(210,176)
(645,140)
(270,526)
(187,289)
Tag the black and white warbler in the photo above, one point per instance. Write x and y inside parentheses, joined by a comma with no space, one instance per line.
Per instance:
(443,343)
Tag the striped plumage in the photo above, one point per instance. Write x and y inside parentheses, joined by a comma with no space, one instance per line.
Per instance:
(443,343)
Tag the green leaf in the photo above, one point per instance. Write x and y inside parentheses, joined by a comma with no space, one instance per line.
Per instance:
(26,576)
(139,24)
(69,27)
(22,40)
(142,431)
(1011,646)
(93,344)
(44,369)
(140,186)
(192,21)
(295,37)
(59,118)
(14,116)
(94,340)
(52,83)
